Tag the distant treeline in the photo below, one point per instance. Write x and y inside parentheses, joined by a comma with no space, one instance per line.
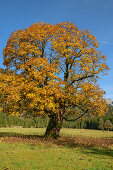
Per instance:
(87,122)
(11,121)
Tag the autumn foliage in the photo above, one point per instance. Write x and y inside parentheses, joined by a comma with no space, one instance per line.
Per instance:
(50,70)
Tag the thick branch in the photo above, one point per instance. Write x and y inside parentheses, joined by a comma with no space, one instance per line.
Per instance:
(81,78)
(75,118)
(75,58)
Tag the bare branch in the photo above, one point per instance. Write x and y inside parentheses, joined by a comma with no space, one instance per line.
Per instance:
(81,78)
(76,118)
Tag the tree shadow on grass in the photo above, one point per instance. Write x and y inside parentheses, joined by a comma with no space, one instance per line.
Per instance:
(100,151)
(99,146)
(20,135)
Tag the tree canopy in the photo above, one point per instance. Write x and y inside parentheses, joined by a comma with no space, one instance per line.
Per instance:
(50,70)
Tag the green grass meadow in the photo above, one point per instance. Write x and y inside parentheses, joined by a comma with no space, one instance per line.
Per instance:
(76,149)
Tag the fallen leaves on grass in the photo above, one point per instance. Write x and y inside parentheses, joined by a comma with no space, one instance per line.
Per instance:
(62,141)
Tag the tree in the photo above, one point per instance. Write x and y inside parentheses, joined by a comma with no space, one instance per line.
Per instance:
(108,125)
(101,124)
(55,69)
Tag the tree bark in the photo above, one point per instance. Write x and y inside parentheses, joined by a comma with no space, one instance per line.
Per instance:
(54,125)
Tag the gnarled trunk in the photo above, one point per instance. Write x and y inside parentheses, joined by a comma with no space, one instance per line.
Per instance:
(54,125)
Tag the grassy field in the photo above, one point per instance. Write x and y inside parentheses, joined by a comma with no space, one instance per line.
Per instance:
(76,149)
(64,132)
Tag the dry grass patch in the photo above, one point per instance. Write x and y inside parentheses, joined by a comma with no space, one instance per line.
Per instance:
(62,141)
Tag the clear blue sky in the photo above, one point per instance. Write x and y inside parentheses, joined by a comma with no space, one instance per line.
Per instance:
(95,15)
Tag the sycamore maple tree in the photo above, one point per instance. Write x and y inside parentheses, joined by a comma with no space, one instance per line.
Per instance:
(50,70)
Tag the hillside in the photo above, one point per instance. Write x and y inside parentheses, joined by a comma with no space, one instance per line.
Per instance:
(109,101)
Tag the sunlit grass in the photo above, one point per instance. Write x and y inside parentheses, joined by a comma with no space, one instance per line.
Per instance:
(64,132)
(77,149)
(53,157)
(86,133)
(23,131)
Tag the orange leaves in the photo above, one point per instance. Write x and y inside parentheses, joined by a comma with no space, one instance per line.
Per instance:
(55,64)
(25,44)
(91,97)
(61,41)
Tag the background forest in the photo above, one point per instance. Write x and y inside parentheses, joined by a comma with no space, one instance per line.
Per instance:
(87,122)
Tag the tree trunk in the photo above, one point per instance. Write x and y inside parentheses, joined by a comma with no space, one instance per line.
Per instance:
(54,126)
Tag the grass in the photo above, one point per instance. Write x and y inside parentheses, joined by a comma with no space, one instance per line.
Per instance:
(26,149)
(64,132)
(22,131)
(87,133)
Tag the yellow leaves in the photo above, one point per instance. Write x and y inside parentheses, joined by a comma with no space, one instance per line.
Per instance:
(23,43)
(85,68)
(49,58)
(64,40)
(91,97)
(51,106)
(30,95)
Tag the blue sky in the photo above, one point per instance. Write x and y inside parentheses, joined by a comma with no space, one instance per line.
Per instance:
(94,15)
